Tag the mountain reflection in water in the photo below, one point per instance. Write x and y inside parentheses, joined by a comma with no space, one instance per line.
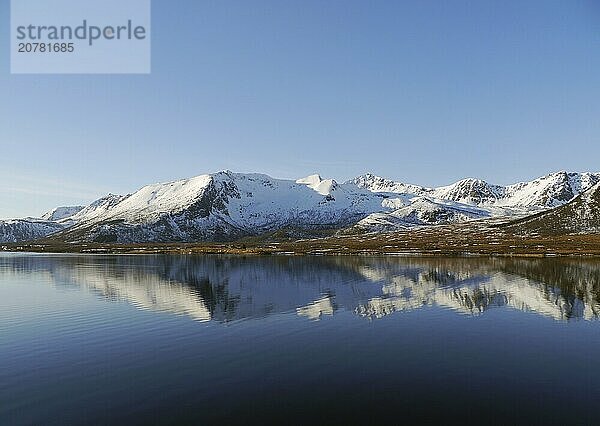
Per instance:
(225,288)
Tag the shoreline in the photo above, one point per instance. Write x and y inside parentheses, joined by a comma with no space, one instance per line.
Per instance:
(400,245)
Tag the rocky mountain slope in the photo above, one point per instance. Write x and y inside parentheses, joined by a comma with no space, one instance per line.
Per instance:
(227,206)
(379,184)
(17,230)
(421,212)
(580,215)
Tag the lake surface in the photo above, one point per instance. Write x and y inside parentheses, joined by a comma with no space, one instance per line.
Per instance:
(297,340)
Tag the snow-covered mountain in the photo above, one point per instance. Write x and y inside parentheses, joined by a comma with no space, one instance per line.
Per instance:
(552,190)
(379,184)
(227,206)
(51,222)
(580,215)
(223,206)
(27,229)
(548,191)
(422,211)
(470,199)
(17,230)
(470,191)
(98,208)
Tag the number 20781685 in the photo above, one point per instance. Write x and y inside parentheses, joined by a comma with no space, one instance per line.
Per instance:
(46,48)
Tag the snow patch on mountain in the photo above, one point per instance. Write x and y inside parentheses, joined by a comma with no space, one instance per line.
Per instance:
(322,186)
(60,213)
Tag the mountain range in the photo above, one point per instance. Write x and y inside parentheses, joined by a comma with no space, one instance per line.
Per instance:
(227,206)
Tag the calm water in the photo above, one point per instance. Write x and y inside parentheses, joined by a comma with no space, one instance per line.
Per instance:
(205,340)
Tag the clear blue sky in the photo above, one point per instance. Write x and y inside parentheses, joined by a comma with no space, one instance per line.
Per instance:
(420,91)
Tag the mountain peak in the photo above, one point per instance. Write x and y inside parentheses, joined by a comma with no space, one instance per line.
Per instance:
(374,183)
(469,191)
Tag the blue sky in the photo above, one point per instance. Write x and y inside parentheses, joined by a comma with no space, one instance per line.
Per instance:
(420,91)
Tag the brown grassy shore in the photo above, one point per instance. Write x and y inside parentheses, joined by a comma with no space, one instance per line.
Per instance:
(451,240)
